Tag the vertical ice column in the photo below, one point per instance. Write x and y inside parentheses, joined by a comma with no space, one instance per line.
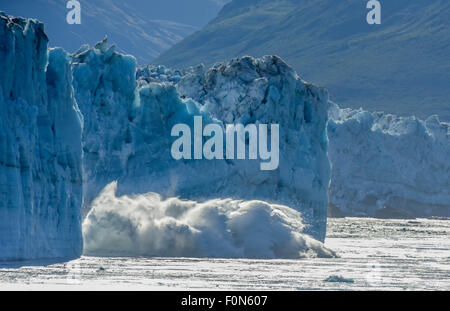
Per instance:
(40,147)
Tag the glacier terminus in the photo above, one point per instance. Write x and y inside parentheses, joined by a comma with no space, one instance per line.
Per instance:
(94,161)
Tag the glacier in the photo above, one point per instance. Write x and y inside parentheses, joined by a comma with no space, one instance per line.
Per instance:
(89,134)
(388,166)
(86,141)
(382,165)
(40,140)
(128,122)
(143,28)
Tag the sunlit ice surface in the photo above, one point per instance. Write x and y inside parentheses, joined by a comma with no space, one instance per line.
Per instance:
(374,254)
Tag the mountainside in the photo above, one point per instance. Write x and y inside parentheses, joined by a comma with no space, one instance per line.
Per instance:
(142,28)
(400,66)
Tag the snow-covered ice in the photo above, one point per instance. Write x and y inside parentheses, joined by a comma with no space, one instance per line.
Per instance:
(388,166)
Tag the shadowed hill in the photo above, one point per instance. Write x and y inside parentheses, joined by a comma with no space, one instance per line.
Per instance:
(143,28)
(400,66)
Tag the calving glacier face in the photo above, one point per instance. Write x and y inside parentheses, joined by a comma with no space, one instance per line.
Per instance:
(105,90)
(40,143)
(127,134)
(388,166)
(148,225)
(221,208)
(267,91)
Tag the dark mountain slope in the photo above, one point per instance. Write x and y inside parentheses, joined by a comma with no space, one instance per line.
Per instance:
(143,28)
(401,66)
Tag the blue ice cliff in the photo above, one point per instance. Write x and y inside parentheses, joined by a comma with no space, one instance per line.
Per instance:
(40,143)
(112,156)
(161,206)
(92,132)
(382,165)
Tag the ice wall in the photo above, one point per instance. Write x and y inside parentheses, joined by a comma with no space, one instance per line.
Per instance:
(266,90)
(105,90)
(388,166)
(45,176)
(40,158)
(128,127)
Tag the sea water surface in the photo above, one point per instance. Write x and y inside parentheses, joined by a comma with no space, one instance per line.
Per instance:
(374,255)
